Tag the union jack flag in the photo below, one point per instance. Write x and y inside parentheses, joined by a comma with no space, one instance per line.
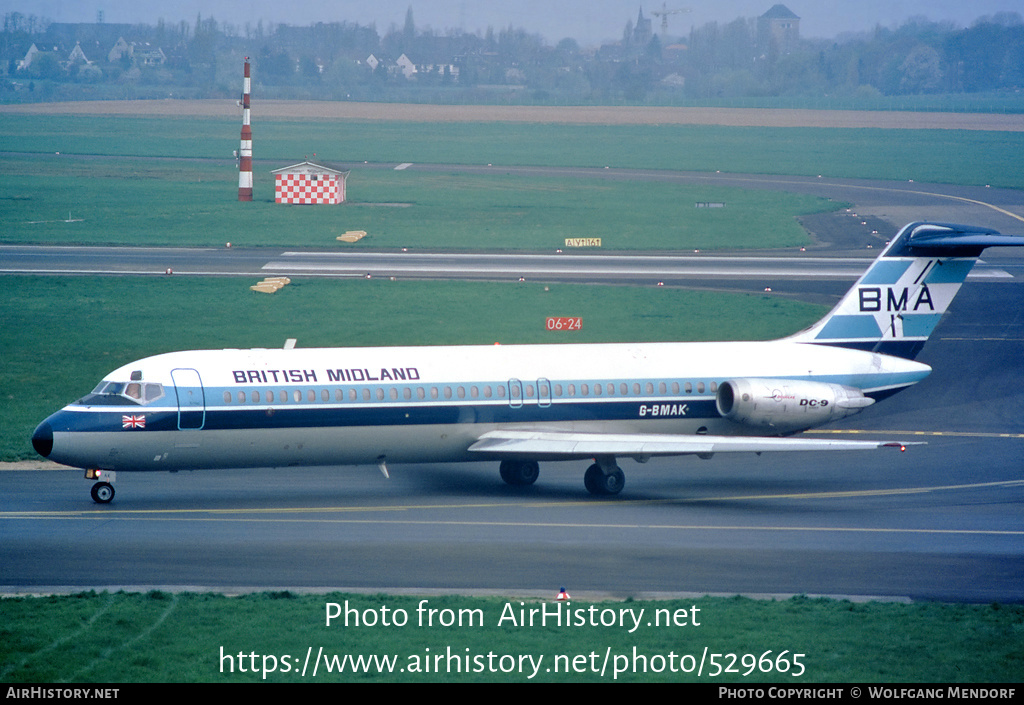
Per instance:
(133,421)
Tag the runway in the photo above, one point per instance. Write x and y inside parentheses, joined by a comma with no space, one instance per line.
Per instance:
(939,521)
(614,267)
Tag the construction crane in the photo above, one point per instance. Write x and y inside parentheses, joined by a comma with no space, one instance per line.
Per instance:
(664,12)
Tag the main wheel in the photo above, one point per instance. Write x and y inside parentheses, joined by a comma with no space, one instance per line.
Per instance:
(519,472)
(102,492)
(600,484)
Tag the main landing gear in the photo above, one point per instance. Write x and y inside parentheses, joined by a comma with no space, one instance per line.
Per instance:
(602,479)
(519,472)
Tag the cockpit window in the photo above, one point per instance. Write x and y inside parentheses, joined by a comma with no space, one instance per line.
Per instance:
(107,392)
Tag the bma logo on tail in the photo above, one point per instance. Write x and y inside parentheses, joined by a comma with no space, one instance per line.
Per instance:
(899,300)
(871,299)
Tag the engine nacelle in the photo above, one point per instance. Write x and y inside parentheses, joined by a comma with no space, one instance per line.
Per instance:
(787,406)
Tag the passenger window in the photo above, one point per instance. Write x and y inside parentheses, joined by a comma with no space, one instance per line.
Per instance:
(227,397)
(256,397)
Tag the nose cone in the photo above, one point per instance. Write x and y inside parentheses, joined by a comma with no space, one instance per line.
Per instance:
(42,439)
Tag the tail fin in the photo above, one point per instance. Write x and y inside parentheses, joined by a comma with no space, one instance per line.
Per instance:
(898,301)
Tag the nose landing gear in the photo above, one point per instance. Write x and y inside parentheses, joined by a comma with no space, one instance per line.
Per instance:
(103,491)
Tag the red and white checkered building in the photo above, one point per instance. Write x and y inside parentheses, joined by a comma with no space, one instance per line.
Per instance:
(308,183)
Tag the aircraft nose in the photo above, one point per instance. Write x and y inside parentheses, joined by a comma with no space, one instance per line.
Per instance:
(42,439)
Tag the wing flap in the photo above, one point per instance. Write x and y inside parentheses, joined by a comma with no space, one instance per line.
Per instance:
(586,445)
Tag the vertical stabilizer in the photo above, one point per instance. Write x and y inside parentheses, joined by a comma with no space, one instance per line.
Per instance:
(896,304)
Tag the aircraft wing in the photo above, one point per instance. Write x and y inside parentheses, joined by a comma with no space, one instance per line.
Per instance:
(566,444)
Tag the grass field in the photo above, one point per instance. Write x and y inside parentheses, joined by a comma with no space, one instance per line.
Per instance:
(181,203)
(943,156)
(180,186)
(201,638)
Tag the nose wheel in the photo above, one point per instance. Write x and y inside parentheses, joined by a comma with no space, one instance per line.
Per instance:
(102,492)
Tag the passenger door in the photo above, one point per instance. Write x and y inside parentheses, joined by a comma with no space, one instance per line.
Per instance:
(191,399)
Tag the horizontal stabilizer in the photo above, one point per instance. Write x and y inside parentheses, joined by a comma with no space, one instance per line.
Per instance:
(948,240)
(563,444)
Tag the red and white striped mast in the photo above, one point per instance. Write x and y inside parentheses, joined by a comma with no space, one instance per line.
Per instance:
(245,153)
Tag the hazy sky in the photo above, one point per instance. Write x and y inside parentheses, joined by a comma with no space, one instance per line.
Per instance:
(588,21)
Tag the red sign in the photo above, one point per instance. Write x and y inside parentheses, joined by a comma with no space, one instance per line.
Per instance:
(564,323)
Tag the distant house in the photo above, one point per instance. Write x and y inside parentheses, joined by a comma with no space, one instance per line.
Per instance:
(779,28)
(120,49)
(140,53)
(26,63)
(149,55)
(406,66)
(307,183)
(77,56)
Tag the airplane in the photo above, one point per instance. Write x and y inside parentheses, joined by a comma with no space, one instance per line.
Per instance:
(523,404)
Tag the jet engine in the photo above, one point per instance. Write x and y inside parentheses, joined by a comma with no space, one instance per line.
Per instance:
(787,406)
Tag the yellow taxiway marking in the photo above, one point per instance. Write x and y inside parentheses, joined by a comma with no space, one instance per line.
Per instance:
(291,514)
(951,434)
(971,200)
(612,525)
(917,192)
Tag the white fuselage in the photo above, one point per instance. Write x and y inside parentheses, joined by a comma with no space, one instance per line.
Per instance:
(316,406)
